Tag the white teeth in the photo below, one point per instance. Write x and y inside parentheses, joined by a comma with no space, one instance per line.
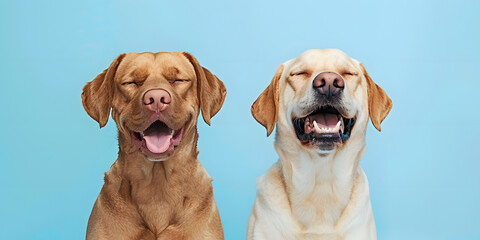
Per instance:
(172,132)
(315,125)
(142,134)
(335,129)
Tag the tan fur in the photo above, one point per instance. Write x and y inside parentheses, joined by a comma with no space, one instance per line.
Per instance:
(264,108)
(379,104)
(141,199)
(309,194)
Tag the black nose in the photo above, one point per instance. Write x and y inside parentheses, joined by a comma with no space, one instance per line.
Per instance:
(328,83)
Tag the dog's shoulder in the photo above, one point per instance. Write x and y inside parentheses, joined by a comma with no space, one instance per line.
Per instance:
(271,216)
(272,189)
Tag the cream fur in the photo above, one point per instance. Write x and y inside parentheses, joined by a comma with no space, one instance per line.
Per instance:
(309,194)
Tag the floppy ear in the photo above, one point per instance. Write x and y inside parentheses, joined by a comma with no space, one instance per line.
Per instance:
(379,104)
(265,108)
(97,95)
(211,91)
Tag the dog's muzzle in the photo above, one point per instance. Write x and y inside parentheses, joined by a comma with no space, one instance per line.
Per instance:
(325,126)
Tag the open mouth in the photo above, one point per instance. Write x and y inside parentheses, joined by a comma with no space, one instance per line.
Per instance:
(157,140)
(323,128)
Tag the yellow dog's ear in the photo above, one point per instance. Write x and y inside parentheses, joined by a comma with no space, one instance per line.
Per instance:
(265,108)
(211,92)
(379,104)
(97,95)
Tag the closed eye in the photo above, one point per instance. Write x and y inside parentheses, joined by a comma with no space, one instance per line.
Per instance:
(298,73)
(181,80)
(350,74)
(129,83)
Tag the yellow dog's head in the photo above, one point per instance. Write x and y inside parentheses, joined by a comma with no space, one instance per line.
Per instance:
(321,99)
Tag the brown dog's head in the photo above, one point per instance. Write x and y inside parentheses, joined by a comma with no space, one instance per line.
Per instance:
(155,100)
(321,99)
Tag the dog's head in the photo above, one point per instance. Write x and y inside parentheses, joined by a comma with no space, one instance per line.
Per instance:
(155,100)
(322,98)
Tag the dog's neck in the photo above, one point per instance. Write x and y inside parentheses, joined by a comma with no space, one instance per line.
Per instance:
(159,191)
(319,186)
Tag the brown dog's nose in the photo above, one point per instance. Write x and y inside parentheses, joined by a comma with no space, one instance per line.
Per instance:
(156,100)
(328,83)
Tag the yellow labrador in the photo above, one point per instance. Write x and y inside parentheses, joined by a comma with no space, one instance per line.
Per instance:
(321,102)
(157,188)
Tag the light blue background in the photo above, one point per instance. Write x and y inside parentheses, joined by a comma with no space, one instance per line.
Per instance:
(423,168)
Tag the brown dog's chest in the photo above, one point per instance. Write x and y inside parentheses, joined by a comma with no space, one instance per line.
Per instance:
(162,205)
(158,205)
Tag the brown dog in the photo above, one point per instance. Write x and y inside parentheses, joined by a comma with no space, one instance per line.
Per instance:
(157,188)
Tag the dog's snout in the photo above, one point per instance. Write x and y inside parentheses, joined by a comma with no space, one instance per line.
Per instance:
(156,100)
(328,83)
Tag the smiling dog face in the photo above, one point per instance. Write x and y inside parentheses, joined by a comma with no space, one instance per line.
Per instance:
(155,100)
(322,99)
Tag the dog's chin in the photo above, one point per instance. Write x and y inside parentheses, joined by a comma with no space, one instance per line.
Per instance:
(157,142)
(324,129)
(155,157)
(325,145)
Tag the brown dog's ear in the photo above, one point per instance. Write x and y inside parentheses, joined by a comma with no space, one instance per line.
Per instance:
(379,104)
(211,91)
(97,95)
(265,108)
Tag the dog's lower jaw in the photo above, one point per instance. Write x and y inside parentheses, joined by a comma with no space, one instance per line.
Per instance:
(181,154)
(128,145)
(325,152)
(157,160)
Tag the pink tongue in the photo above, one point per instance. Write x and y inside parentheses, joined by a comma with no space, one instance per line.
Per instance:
(158,143)
(325,120)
